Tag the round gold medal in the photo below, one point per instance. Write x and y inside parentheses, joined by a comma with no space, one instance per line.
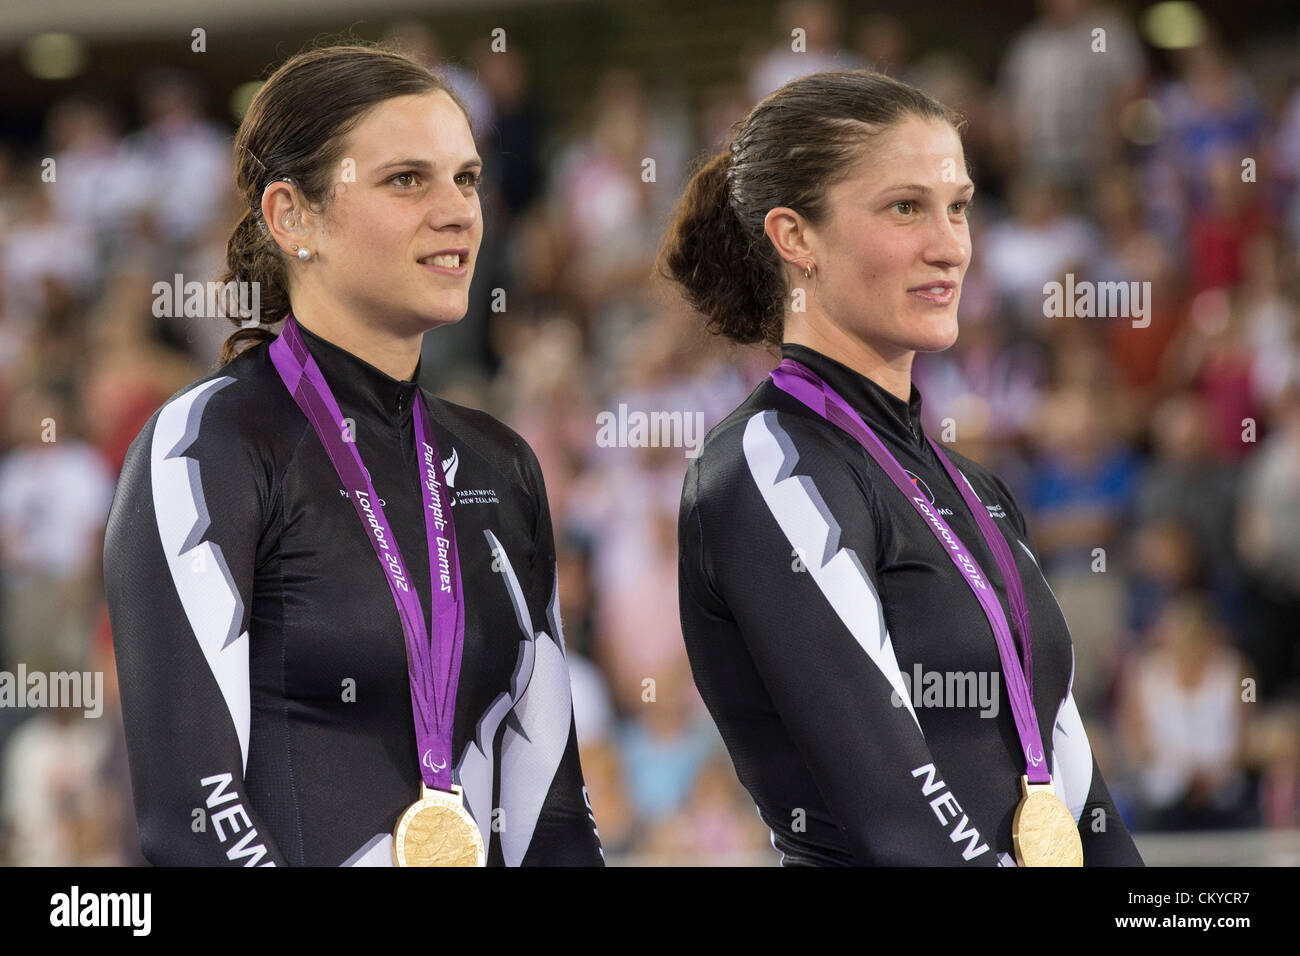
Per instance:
(1042,832)
(437,830)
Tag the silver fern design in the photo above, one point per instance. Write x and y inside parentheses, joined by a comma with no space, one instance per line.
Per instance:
(449,466)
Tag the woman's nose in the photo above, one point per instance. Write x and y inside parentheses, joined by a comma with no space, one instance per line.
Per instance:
(452,207)
(948,246)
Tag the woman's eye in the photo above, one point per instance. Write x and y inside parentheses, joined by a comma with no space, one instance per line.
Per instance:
(904,202)
(963,207)
(411,179)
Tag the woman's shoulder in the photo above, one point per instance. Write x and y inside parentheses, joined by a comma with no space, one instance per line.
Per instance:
(769,437)
(241,403)
(771,413)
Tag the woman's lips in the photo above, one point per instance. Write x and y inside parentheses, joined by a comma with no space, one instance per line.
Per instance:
(461,271)
(934,298)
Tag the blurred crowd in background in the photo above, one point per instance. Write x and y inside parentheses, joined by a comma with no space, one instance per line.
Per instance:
(1158,466)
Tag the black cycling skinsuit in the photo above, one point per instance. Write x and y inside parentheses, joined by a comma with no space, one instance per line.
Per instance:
(261,658)
(813,597)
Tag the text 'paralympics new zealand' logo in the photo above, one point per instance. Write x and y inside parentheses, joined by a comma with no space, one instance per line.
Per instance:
(465,496)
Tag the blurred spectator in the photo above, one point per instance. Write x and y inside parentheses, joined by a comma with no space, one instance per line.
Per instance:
(1037,243)
(723,106)
(57,808)
(419,41)
(95,173)
(1064,80)
(1183,717)
(1132,251)
(181,166)
(884,41)
(133,372)
(1083,486)
(1081,489)
(816,49)
(1271,319)
(1230,214)
(1212,115)
(1165,562)
(1277,752)
(717,823)
(606,214)
(11,194)
(513,135)
(666,745)
(55,491)
(635,567)
(38,247)
(1185,482)
(1211,357)
(1287,153)
(1268,542)
(65,790)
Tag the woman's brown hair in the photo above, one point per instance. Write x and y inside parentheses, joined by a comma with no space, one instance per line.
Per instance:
(295,127)
(791,148)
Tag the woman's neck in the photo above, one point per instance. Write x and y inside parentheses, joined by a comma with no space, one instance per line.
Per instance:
(395,355)
(891,369)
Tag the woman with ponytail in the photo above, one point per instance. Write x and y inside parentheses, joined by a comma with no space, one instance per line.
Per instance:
(861,605)
(333,595)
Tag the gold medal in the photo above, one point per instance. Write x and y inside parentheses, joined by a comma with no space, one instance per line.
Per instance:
(1042,831)
(437,830)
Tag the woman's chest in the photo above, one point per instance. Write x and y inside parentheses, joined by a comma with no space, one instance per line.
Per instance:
(941,631)
(341,623)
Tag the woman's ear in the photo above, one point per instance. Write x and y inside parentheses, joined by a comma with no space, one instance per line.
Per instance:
(283,212)
(789,233)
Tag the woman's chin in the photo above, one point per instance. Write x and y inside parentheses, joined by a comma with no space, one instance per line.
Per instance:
(938,340)
(446,313)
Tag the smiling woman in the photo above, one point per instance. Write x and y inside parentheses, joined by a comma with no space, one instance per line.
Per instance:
(322,645)
(830,551)
(358,167)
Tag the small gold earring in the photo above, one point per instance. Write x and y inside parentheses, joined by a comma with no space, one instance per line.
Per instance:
(807,272)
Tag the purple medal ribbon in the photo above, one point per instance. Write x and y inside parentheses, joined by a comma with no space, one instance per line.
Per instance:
(433,656)
(805,385)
